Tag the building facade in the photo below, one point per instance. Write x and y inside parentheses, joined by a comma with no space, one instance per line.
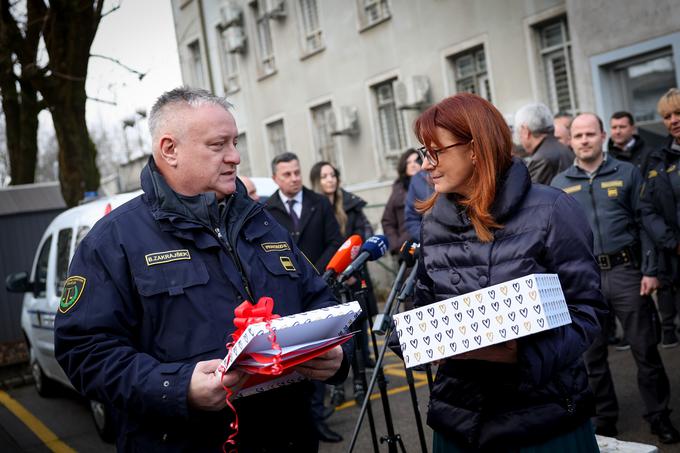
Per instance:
(343,80)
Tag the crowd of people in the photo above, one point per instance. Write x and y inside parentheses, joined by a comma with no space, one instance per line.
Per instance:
(477,196)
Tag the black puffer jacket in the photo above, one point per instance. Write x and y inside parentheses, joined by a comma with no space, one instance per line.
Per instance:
(486,405)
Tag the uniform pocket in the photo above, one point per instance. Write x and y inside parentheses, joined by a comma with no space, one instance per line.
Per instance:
(280,263)
(171,278)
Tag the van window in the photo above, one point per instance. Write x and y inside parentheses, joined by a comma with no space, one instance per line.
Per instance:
(82,232)
(41,268)
(63,249)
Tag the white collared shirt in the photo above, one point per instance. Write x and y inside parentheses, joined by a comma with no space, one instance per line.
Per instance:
(297,207)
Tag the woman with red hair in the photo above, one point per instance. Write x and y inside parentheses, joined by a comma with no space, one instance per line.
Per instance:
(485,224)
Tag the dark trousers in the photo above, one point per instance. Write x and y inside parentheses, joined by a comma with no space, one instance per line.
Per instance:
(317,405)
(669,306)
(637,314)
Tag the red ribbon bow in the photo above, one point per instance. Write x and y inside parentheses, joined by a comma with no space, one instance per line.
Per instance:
(245,315)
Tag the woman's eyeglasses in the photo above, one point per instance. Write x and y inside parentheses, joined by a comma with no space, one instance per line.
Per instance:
(432,155)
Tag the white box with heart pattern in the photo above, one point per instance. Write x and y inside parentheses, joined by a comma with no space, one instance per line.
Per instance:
(506,311)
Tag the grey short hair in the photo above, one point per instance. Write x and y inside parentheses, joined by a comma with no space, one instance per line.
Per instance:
(536,117)
(283,157)
(193,97)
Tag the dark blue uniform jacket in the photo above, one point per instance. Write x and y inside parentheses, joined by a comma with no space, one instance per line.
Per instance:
(159,295)
(493,406)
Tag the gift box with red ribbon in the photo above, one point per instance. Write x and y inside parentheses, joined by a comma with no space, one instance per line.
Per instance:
(268,347)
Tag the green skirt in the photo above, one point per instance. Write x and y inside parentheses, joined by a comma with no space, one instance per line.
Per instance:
(580,440)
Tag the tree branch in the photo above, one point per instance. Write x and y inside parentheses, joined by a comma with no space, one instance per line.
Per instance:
(140,75)
(103,101)
(110,11)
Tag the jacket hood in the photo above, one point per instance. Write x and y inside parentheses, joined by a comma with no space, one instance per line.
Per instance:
(511,188)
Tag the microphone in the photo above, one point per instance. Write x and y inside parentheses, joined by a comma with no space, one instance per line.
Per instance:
(373,249)
(408,253)
(347,252)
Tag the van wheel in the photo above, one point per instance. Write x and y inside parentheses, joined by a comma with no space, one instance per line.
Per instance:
(45,386)
(102,421)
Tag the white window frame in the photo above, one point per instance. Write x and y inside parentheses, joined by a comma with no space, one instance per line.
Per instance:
(229,66)
(363,8)
(266,61)
(271,152)
(331,150)
(311,38)
(400,124)
(542,54)
(481,79)
(196,67)
(599,67)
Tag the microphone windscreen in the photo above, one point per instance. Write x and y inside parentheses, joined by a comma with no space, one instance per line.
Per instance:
(376,246)
(347,252)
(408,252)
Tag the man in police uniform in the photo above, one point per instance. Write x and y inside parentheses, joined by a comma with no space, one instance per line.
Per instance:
(157,282)
(608,190)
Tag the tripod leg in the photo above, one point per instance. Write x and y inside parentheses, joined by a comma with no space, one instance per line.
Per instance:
(357,364)
(428,372)
(416,409)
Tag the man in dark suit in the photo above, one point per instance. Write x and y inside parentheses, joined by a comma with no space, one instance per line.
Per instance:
(310,219)
(535,131)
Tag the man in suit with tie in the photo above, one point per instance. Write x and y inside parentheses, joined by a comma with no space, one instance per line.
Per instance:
(310,219)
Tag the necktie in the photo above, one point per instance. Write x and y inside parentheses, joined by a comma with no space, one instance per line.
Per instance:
(294,217)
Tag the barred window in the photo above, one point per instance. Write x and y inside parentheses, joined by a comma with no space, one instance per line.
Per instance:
(390,119)
(470,72)
(555,50)
(324,123)
(276,136)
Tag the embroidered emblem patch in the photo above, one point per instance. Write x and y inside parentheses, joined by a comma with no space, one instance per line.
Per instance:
(287,263)
(275,246)
(166,257)
(73,289)
(572,189)
(612,192)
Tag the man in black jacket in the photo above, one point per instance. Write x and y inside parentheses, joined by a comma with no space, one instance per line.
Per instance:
(625,144)
(310,219)
(535,131)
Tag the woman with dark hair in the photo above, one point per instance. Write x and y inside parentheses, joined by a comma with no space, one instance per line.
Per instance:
(486,224)
(348,208)
(393,216)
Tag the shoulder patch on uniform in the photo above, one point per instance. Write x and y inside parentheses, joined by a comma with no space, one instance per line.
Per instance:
(609,184)
(652,174)
(572,189)
(73,289)
(672,168)
(275,246)
(167,257)
(287,263)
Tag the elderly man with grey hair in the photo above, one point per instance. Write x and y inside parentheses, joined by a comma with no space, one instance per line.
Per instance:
(534,130)
(154,287)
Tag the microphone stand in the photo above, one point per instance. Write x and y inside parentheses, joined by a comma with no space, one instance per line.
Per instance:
(383,325)
(358,367)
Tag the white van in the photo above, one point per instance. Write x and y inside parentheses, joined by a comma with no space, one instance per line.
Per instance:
(42,290)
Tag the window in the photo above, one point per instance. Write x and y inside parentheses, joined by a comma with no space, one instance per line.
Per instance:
(640,81)
(276,137)
(265,46)
(196,64)
(82,232)
(63,258)
(470,73)
(41,268)
(324,123)
(372,12)
(228,61)
(555,50)
(242,146)
(390,118)
(312,38)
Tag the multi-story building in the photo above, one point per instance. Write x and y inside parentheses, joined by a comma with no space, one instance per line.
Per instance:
(343,80)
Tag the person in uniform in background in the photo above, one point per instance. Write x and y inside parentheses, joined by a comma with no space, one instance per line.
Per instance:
(660,204)
(310,219)
(487,224)
(608,192)
(392,220)
(149,302)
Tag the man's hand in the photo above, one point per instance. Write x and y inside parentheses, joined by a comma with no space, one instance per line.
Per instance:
(322,367)
(648,285)
(205,389)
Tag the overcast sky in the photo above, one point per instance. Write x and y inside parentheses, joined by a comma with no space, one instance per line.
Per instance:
(140,34)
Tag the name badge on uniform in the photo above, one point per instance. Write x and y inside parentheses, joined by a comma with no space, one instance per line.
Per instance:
(167,257)
(287,263)
(610,184)
(275,246)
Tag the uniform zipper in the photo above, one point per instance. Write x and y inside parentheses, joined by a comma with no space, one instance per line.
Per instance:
(237,261)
